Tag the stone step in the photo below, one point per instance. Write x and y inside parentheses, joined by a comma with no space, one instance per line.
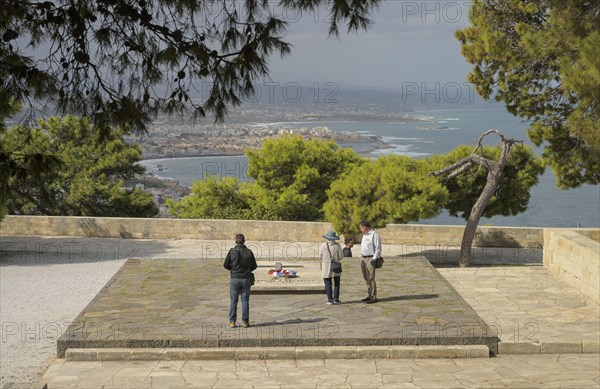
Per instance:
(263,353)
(574,347)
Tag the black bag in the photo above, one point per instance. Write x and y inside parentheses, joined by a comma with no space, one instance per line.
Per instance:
(377,262)
(336,267)
(252,278)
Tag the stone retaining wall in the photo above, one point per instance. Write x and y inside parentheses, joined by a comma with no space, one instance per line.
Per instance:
(574,257)
(486,236)
(138,228)
(592,233)
(162,228)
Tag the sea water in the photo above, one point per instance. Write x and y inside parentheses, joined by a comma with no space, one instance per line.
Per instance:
(440,132)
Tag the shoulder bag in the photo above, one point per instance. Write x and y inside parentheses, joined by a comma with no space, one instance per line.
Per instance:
(336,267)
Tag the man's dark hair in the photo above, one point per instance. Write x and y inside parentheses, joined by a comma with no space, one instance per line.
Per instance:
(365,223)
(240,239)
(348,240)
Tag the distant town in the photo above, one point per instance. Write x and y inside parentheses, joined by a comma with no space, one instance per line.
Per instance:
(174,138)
(174,141)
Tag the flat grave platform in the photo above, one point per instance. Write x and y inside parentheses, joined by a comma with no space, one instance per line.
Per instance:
(308,278)
(158,303)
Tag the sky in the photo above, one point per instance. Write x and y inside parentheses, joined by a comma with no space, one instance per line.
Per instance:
(410,48)
(409,42)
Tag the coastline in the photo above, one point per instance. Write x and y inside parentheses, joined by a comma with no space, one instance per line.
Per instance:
(200,155)
(381,145)
(407,140)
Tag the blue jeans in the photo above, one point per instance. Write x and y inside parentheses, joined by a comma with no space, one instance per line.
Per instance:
(335,293)
(239,287)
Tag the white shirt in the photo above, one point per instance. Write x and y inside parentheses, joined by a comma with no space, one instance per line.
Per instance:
(370,244)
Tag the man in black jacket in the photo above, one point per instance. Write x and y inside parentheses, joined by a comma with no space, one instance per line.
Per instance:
(241,263)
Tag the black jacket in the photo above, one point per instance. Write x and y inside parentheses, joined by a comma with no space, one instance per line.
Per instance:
(240,262)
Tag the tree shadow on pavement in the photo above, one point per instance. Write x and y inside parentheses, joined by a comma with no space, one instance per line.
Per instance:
(399,298)
(290,322)
(487,256)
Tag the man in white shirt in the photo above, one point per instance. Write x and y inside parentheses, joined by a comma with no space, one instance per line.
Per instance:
(370,248)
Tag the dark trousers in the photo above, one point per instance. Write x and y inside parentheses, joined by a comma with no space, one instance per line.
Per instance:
(239,287)
(335,293)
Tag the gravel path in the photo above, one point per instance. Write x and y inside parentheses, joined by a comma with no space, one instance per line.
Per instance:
(37,303)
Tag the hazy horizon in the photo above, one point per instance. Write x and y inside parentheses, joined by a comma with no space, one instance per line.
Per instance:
(409,42)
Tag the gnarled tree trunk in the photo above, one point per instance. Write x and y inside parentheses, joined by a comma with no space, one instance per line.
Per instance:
(493,178)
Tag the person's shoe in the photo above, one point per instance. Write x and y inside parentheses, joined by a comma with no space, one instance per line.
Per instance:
(371,301)
(335,302)
(231,324)
(245,324)
(366,299)
(329,302)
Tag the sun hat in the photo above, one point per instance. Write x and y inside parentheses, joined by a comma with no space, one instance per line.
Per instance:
(331,235)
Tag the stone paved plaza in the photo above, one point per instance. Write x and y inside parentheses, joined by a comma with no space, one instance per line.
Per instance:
(184,303)
(549,334)
(575,371)
(526,305)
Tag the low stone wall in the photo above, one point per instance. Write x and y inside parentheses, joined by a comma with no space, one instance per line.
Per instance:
(141,228)
(574,257)
(592,233)
(138,228)
(485,236)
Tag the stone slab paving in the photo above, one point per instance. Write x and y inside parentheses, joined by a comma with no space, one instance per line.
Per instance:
(155,303)
(505,371)
(539,313)
(572,371)
(35,295)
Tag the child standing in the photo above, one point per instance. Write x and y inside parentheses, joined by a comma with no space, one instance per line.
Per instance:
(347,251)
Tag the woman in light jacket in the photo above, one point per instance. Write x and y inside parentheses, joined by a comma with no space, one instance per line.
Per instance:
(329,252)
